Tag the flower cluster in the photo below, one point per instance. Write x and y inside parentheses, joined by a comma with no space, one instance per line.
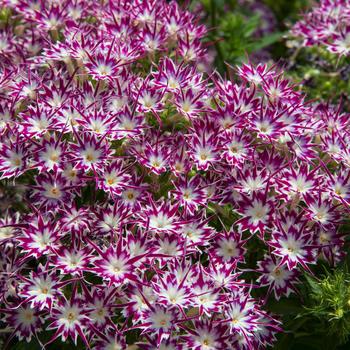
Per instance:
(148,182)
(328,25)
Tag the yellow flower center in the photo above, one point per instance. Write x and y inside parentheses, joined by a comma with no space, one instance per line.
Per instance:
(17,162)
(71,316)
(28,316)
(130,196)
(55,191)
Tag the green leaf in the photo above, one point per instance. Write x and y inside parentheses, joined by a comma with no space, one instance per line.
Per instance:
(314,285)
(285,306)
(267,40)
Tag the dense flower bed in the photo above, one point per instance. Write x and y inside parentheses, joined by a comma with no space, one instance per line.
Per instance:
(148,202)
(327,24)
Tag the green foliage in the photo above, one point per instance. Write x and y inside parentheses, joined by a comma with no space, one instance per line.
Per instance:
(324,75)
(319,318)
(330,304)
(234,28)
(287,9)
(233,32)
(243,42)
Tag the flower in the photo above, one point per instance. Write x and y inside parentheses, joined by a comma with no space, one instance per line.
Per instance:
(257,212)
(40,236)
(69,319)
(144,197)
(276,276)
(294,244)
(116,265)
(24,320)
(326,24)
(41,289)
(159,321)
